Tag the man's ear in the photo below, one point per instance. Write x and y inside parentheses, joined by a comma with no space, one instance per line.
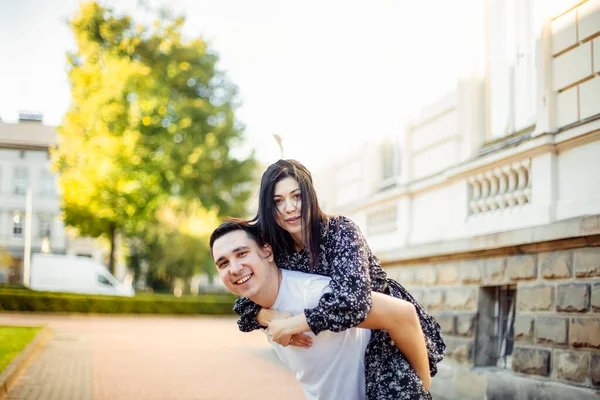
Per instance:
(269,250)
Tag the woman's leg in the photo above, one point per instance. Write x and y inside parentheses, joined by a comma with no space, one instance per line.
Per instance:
(399,318)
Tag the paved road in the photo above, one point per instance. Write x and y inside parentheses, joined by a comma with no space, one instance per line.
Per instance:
(102,357)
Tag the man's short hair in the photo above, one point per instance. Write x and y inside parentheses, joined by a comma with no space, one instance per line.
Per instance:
(236,224)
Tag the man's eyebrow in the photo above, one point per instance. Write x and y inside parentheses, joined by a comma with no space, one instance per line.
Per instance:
(236,250)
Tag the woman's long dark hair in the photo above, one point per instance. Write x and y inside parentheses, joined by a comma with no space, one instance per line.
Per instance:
(312,215)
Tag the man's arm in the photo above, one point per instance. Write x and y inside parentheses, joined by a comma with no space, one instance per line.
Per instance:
(398,317)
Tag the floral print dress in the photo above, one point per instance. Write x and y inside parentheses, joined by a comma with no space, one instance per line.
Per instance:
(355,272)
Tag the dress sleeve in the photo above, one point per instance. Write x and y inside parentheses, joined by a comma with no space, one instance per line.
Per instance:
(349,301)
(247,310)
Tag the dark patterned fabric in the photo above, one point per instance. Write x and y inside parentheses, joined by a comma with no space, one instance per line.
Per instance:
(355,272)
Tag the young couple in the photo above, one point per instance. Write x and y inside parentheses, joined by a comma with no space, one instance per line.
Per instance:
(331,313)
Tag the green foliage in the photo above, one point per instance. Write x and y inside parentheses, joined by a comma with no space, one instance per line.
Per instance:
(152,119)
(18,300)
(13,339)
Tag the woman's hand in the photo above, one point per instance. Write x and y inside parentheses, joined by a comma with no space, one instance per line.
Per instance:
(301,340)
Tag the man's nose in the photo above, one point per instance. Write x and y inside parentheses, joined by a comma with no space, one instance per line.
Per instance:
(236,267)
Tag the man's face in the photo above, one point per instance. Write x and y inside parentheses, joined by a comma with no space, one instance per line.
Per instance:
(243,267)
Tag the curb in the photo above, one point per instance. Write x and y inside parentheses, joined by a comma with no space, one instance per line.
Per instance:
(12,371)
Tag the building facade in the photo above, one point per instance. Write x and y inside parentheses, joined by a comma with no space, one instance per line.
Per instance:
(488,210)
(25,164)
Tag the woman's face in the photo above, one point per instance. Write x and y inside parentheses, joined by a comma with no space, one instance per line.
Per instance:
(287,203)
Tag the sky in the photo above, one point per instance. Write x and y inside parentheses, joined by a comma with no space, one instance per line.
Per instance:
(325,75)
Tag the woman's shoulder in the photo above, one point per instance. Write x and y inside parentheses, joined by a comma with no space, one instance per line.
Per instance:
(337,224)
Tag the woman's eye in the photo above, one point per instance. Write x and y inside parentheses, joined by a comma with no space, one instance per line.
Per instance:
(298,197)
(241,255)
(278,201)
(223,265)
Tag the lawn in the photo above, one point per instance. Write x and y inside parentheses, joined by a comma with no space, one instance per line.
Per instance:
(13,339)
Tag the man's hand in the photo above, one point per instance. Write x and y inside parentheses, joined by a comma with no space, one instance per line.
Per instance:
(265,316)
(281,331)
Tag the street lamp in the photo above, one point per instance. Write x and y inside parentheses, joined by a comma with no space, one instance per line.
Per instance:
(279,141)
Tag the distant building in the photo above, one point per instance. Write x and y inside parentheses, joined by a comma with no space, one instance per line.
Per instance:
(25,163)
(490,215)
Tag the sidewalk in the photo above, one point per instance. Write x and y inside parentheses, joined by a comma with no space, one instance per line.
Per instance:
(147,358)
(61,371)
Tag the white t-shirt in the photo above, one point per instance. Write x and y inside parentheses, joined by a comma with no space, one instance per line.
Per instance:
(333,368)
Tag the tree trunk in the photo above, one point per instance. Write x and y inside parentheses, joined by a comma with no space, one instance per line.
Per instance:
(111,258)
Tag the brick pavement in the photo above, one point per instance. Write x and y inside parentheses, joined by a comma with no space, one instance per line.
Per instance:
(101,357)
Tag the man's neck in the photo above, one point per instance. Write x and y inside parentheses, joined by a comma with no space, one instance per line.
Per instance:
(268,295)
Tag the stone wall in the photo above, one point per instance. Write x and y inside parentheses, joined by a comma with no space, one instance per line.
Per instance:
(557,322)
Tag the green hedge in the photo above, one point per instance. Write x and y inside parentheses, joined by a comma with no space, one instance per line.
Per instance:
(21,300)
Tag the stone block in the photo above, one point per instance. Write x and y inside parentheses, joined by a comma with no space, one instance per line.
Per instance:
(567,106)
(459,350)
(433,299)
(499,387)
(573,297)
(471,385)
(463,299)
(426,276)
(564,31)
(572,66)
(586,262)
(551,330)
(571,365)
(405,276)
(588,15)
(589,98)
(524,329)
(596,297)
(535,298)
(465,324)
(470,271)
(556,265)
(595,369)
(448,275)
(446,322)
(584,332)
(531,361)
(495,269)
(418,294)
(521,267)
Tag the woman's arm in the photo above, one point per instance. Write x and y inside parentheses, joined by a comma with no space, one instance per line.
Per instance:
(248,311)
(398,317)
(346,263)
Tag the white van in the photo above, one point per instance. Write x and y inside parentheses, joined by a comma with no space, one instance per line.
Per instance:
(66,273)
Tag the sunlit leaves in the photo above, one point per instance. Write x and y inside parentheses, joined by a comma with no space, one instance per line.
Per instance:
(151,120)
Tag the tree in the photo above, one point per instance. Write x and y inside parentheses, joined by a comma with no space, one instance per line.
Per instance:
(152,118)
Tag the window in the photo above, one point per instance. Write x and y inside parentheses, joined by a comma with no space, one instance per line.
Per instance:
(515,31)
(48,184)
(505,308)
(390,163)
(21,180)
(45,227)
(102,279)
(495,326)
(17,226)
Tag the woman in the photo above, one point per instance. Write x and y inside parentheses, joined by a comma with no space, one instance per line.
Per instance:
(305,239)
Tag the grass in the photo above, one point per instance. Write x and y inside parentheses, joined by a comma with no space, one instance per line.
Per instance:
(13,339)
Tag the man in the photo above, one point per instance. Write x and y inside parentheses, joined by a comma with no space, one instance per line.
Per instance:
(333,367)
